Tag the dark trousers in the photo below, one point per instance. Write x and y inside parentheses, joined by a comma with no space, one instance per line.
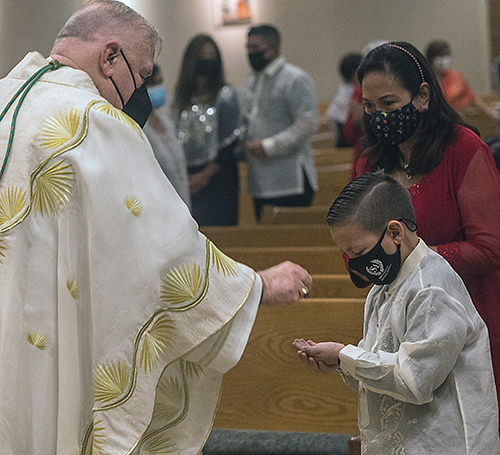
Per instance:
(295,200)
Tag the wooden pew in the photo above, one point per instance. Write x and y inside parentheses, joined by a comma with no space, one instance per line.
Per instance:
(330,155)
(315,259)
(322,139)
(246,214)
(323,108)
(314,215)
(269,389)
(331,181)
(264,235)
(483,122)
(333,167)
(337,286)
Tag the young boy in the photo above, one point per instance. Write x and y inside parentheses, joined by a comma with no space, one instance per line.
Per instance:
(423,368)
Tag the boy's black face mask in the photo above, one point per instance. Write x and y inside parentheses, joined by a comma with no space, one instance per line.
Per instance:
(376,265)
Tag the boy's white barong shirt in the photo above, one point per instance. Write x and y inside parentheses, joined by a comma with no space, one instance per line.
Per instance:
(423,368)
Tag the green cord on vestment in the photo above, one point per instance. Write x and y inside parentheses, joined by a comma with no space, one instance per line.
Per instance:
(23,91)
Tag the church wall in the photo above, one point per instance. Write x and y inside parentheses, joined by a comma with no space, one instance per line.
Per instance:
(315,33)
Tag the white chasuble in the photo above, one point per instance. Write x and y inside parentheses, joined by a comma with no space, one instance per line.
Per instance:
(117,317)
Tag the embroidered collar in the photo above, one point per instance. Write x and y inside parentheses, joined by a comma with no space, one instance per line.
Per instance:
(413,259)
(273,67)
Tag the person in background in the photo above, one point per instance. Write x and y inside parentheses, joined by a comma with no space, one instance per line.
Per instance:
(423,368)
(280,115)
(416,137)
(338,109)
(207,115)
(456,90)
(162,136)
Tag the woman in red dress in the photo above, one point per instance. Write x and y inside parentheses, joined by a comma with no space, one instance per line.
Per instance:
(414,135)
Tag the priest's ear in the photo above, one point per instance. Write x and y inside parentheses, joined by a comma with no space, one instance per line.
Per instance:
(109,57)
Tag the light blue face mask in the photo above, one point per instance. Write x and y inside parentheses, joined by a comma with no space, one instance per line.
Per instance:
(158,95)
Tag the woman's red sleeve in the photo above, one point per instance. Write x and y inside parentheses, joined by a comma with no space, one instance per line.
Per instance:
(478,198)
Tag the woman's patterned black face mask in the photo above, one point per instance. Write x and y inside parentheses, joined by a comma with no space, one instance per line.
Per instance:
(397,126)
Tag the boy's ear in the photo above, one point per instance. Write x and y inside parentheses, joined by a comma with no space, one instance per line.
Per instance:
(396,230)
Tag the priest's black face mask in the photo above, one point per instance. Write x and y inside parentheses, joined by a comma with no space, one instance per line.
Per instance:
(139,105)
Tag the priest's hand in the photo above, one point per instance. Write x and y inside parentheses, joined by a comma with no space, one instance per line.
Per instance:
(285,282)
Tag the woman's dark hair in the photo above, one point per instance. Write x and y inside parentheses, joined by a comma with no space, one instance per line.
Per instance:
(186,83)
(437,129)
(371,201)
(349,65)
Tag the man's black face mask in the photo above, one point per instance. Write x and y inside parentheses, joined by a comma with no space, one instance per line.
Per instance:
(139,105)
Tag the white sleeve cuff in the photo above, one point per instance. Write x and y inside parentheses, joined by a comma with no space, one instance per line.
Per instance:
(348,357)
(268,144)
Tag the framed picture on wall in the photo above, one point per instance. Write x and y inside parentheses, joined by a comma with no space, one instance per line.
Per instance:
(232,12)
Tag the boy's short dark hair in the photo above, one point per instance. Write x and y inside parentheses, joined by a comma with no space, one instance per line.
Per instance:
(371,201)
(269,33)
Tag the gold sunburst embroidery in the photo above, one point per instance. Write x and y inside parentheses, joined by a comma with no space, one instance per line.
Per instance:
(110,381)
(2,249)
(133,204)
(193,369)
(53,188)
(119,115)
(156,340)
(60,129)
(38,340)
(169,400)
(97,437)
(223,263)
(73,289)
(12,201)
(158,445)
(181,284)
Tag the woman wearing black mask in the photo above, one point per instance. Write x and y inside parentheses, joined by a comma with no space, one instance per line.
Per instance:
(414,135)
(207,118)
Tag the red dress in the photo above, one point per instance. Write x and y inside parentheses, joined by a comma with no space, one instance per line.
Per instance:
(457,208)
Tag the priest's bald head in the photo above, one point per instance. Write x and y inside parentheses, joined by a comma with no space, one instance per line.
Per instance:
(113,44)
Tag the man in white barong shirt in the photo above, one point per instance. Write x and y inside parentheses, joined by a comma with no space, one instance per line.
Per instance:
(118,318)
(280,113)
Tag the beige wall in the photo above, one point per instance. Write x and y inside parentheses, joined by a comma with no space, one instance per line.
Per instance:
(28,25)
(316,33)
